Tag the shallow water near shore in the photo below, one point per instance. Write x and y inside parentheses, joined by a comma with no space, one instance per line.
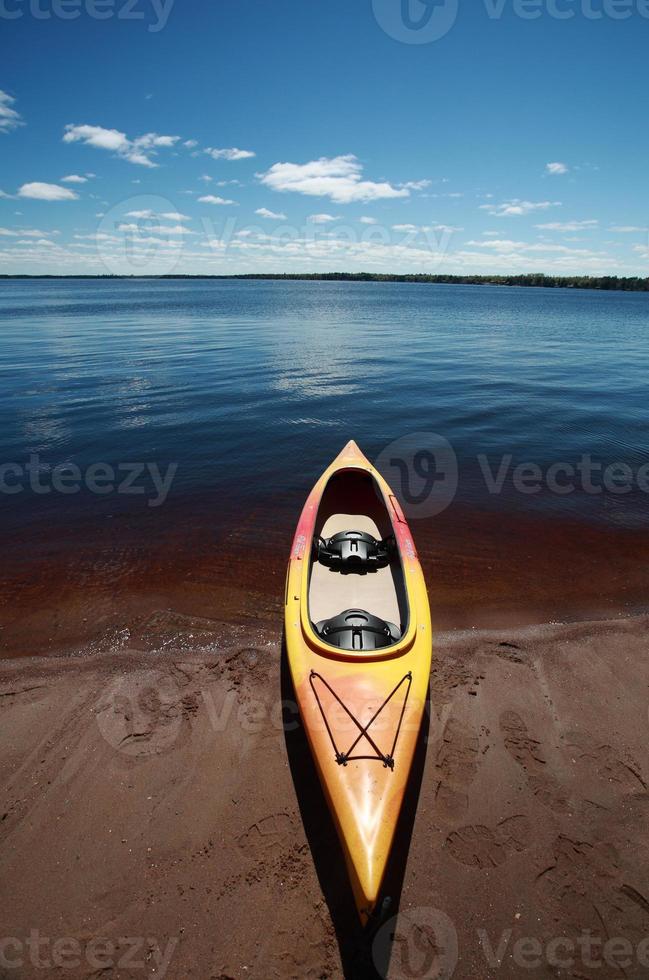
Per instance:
(233,396)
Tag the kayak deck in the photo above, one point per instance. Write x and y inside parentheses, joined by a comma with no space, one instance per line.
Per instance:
(361,703)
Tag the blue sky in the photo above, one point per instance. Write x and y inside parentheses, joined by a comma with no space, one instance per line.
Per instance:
(248,135)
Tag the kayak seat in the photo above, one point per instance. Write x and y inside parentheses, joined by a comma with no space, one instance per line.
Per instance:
(354,551)
(356,629)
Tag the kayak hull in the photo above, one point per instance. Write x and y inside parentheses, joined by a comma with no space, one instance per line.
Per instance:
(361,711)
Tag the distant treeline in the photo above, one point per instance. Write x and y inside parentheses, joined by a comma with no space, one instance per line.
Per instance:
(633,284)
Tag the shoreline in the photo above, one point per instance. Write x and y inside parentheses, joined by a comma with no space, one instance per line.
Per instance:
(142,578)
(167,798)
(249,635)
(529,280)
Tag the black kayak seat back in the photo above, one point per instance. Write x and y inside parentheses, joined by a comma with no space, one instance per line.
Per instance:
(356,629)
(354,551)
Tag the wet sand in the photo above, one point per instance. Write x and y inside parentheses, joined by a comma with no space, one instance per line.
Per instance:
(151,797)
(92,585)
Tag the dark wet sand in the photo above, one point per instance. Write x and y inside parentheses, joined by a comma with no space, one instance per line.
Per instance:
(93,585)
(151,797)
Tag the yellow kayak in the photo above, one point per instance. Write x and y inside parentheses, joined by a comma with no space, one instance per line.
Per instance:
(359,643)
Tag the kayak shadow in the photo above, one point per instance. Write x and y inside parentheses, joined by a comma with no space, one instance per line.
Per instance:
(361,957)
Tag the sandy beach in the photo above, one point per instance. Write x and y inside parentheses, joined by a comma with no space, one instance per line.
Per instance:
(358,291)
(160,815)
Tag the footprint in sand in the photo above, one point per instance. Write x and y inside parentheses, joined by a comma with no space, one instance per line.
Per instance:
(446,677)
(455,768)
(609,764)
(32,692)
(478,846)
(592,886)
(266,836)
(529,755)
(509,651)
(141,714)
(306,949)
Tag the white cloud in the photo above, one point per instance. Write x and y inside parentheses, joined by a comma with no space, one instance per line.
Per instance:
(508,247)
(516,208)
(366,220)
(629,229)
(338,178)
(215,244)
(265,213)
(230,153)
(211,199)
(145,234)
(190,144)
(99,236)
(556,169)
(173,230)
(206,178)
(47,192)
(426,229)
(74,179)
(167,215)
(9,118)
(498,244)
(322,219)
(140,150)
(568,225)
(26,233)
(416,185)
(103,139)
(263,252)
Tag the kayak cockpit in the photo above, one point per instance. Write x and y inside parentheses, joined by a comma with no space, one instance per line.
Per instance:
(357,597)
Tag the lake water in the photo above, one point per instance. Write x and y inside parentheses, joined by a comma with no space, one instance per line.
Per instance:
(248,389)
